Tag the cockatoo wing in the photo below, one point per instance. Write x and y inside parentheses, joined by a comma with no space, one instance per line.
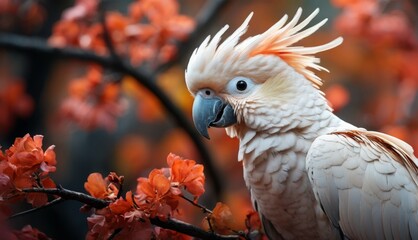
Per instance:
(366,183)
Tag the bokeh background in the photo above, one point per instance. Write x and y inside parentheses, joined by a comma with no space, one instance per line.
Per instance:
(372,83)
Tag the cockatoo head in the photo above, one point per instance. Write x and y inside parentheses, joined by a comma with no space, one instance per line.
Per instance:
(235,83)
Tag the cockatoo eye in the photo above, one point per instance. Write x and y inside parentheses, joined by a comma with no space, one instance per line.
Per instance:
(240,86)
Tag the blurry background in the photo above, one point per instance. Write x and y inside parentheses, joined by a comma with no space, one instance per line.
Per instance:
(372,83)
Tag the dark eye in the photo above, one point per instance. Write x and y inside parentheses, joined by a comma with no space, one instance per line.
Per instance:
(241,85)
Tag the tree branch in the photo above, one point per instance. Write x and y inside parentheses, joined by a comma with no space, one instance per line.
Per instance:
(182,227)
(170,223)
(70,195)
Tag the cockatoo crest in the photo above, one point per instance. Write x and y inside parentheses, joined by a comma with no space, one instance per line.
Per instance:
(211,56)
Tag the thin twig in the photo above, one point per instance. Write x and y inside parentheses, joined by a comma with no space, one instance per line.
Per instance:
(204,209)
(49,204)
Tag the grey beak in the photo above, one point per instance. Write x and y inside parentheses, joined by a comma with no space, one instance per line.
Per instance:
(211,112)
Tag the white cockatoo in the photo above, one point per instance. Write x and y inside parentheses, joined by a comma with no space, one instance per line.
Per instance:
(310,174)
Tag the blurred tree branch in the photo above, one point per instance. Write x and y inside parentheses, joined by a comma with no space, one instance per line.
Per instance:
(27,45)
(170,223)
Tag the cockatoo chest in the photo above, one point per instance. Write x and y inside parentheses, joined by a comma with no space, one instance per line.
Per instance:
(280,186)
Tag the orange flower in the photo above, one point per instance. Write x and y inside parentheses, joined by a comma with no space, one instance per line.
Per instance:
(154,195)
(151,25)
(221,218)
(120,206)
(187,173)
(26,156)
(26,165)
(96,185)
(92,102)
(103,188)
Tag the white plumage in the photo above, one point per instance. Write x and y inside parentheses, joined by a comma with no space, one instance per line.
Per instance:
(366,184)
(310,174)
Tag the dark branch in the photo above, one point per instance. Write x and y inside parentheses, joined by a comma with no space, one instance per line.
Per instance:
(190,230)
(170,223)
(70,195)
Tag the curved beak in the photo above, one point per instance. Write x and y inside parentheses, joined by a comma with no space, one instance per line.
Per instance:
(211,112)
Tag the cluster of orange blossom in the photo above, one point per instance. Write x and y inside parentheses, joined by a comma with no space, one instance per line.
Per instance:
(93,100)
(155,196)
(147,34)
(26,165)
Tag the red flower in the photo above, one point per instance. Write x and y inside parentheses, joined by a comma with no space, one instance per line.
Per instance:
(187,173)
(92,102)
(103,188)
(26,165)
(154,195)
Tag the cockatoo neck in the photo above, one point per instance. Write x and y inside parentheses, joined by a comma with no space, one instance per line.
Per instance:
(297,109)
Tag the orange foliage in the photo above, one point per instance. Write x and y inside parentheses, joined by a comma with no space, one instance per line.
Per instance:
(383,54)
(26,165)
(147,34)
(220,219)
(157,195)
(103,188)
(187,173)
(96,185)
(129,34)
(93,102)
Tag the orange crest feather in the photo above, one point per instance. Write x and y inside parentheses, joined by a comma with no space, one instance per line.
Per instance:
(278,40)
